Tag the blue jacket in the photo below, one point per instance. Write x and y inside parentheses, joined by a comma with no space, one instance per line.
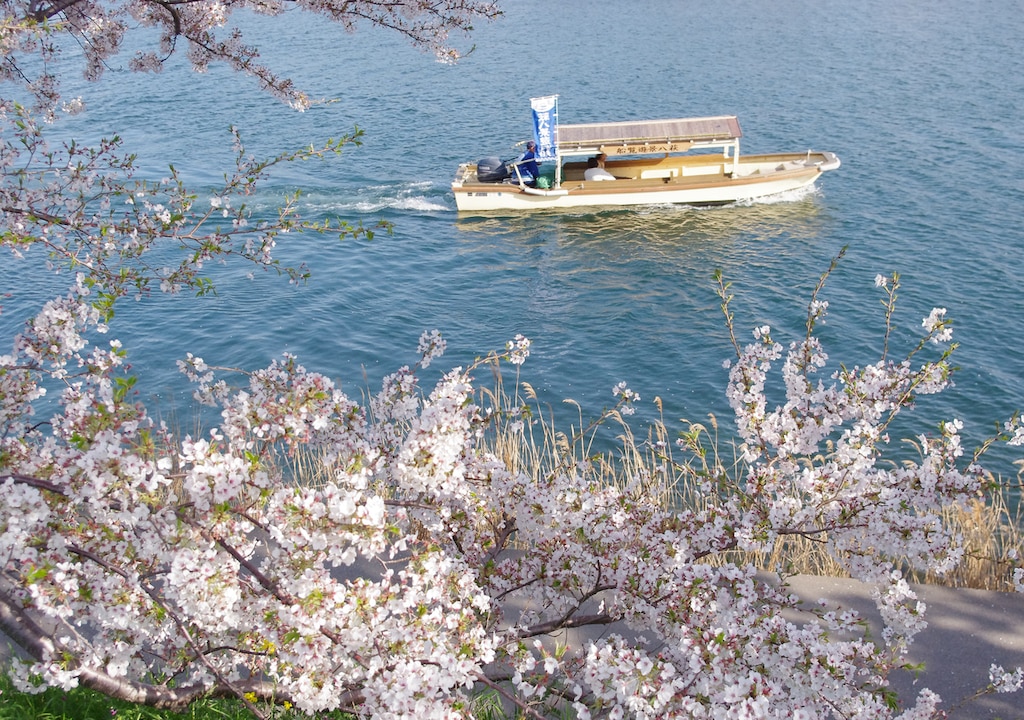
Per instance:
(530,166)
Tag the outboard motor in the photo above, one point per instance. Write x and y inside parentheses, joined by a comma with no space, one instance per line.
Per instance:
(491,169)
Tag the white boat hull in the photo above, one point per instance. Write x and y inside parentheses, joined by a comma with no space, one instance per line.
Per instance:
(712,183)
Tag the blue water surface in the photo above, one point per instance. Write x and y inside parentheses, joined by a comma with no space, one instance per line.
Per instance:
(921,101)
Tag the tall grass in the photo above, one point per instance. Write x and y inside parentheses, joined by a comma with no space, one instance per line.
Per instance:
(991,526)
(678,468)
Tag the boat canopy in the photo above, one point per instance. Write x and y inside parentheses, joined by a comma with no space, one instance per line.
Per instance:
(648,136)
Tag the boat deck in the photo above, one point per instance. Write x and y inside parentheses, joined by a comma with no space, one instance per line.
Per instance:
(675,168)
(704,179)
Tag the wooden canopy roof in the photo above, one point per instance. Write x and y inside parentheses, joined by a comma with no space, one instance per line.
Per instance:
(708,129)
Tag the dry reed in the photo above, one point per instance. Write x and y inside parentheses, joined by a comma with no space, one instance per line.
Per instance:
(991,527)
(527,439)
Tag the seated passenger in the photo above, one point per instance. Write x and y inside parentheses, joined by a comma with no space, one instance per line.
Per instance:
(595,170)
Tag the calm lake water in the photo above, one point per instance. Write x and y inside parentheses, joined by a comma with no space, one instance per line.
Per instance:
(923,102)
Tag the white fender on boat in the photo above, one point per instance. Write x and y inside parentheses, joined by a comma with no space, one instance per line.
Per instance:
(554,192)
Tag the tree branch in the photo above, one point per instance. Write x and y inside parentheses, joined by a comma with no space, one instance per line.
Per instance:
(35,215)
(501,537)
(40,11)
(568,622)
(34,482)
(16,623)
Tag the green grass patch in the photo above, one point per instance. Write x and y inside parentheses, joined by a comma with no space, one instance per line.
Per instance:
(84,704)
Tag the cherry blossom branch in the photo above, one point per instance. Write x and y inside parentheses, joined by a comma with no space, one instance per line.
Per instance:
(30,637)
(228,688)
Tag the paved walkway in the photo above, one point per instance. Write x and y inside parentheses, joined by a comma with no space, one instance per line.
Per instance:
(968,630)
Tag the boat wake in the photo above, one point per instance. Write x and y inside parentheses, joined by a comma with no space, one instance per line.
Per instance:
(423,196)
(789,196)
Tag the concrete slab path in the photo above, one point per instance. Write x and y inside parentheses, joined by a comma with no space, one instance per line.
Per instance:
(968,631)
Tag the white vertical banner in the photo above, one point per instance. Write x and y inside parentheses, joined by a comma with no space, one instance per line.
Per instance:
(545,125)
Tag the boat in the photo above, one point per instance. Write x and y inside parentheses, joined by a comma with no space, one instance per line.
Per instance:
(693,161)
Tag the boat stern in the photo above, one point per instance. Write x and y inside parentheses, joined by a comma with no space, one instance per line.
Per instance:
(466,173)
